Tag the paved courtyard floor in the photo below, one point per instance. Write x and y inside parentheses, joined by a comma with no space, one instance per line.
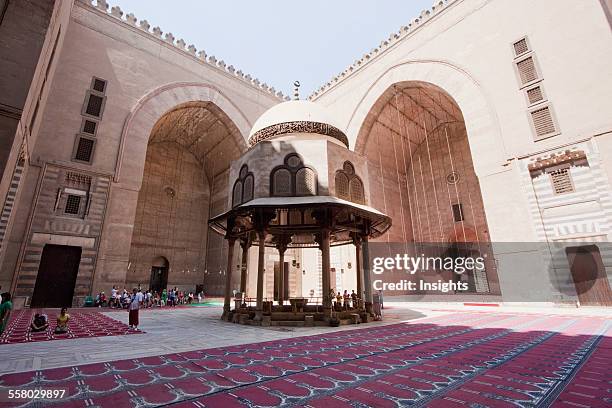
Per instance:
(420,355)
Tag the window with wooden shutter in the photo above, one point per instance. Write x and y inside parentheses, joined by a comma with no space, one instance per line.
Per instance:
(281,181)
(535,95)
(561,181)
(237,194)
(521,47)
(247,190)
(527,70)
(356,191)
(543,122)
(342,186)
(305,182)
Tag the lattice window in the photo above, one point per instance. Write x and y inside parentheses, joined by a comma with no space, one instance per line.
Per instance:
(305,182)
(356,191)
(77,179)
(543,122)
(84,149)
(520,47)
(89,127)
(348,168)
(94,105)
(561,181)
(535,95)
(527,70)
(98,85)
(237,194)
(247,190)
(293,160)
(281,181)
(342,186)
(73,204)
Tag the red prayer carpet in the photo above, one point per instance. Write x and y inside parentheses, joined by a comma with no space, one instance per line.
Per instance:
(459,360)
(83,323)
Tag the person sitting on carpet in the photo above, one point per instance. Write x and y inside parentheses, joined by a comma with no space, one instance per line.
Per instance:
(40,322)
(5,311)
(62,322)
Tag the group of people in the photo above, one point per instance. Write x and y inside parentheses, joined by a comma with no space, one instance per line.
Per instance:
(344,301)
(41,322)
(150,298)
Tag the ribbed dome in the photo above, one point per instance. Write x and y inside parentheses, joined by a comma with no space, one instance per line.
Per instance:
(295,116)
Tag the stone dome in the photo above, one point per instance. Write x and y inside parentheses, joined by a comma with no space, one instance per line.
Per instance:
(296,116)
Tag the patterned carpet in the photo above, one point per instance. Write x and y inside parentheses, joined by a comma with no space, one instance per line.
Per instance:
(459,360)
(83,323)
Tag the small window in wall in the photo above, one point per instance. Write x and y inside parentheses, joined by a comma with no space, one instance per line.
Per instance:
(458,212)
(356,190)
(348,184)
(73,204)
(342,186)
(561,181)
(293,178)
(527,70)
(543,122)
(83,149)
(244,187)
(94,105)
(89,127)
(521,47)
(98,85)
(535,95)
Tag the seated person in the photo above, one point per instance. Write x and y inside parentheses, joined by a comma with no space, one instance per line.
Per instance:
(40,322)
(62,322)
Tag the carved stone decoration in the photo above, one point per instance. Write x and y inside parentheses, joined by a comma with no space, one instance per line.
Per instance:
(452,178)
(131,19)
(298,127)
(573,158)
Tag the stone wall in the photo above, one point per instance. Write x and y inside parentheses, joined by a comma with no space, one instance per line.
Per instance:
(171,217)
(22,32)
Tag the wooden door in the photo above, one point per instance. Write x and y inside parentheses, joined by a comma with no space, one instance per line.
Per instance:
(589,275)
(57,273)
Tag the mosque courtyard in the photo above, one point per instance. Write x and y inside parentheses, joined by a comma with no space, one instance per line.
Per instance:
(438,355)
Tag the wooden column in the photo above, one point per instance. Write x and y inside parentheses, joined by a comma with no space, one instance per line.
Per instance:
(260,274)
(228,278)
(367,277)
(281,274)
(245,244)
(358,268)
(324,245)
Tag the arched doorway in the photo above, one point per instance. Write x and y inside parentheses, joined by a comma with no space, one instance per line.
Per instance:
(159,274)
(421,173)
(184,182)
